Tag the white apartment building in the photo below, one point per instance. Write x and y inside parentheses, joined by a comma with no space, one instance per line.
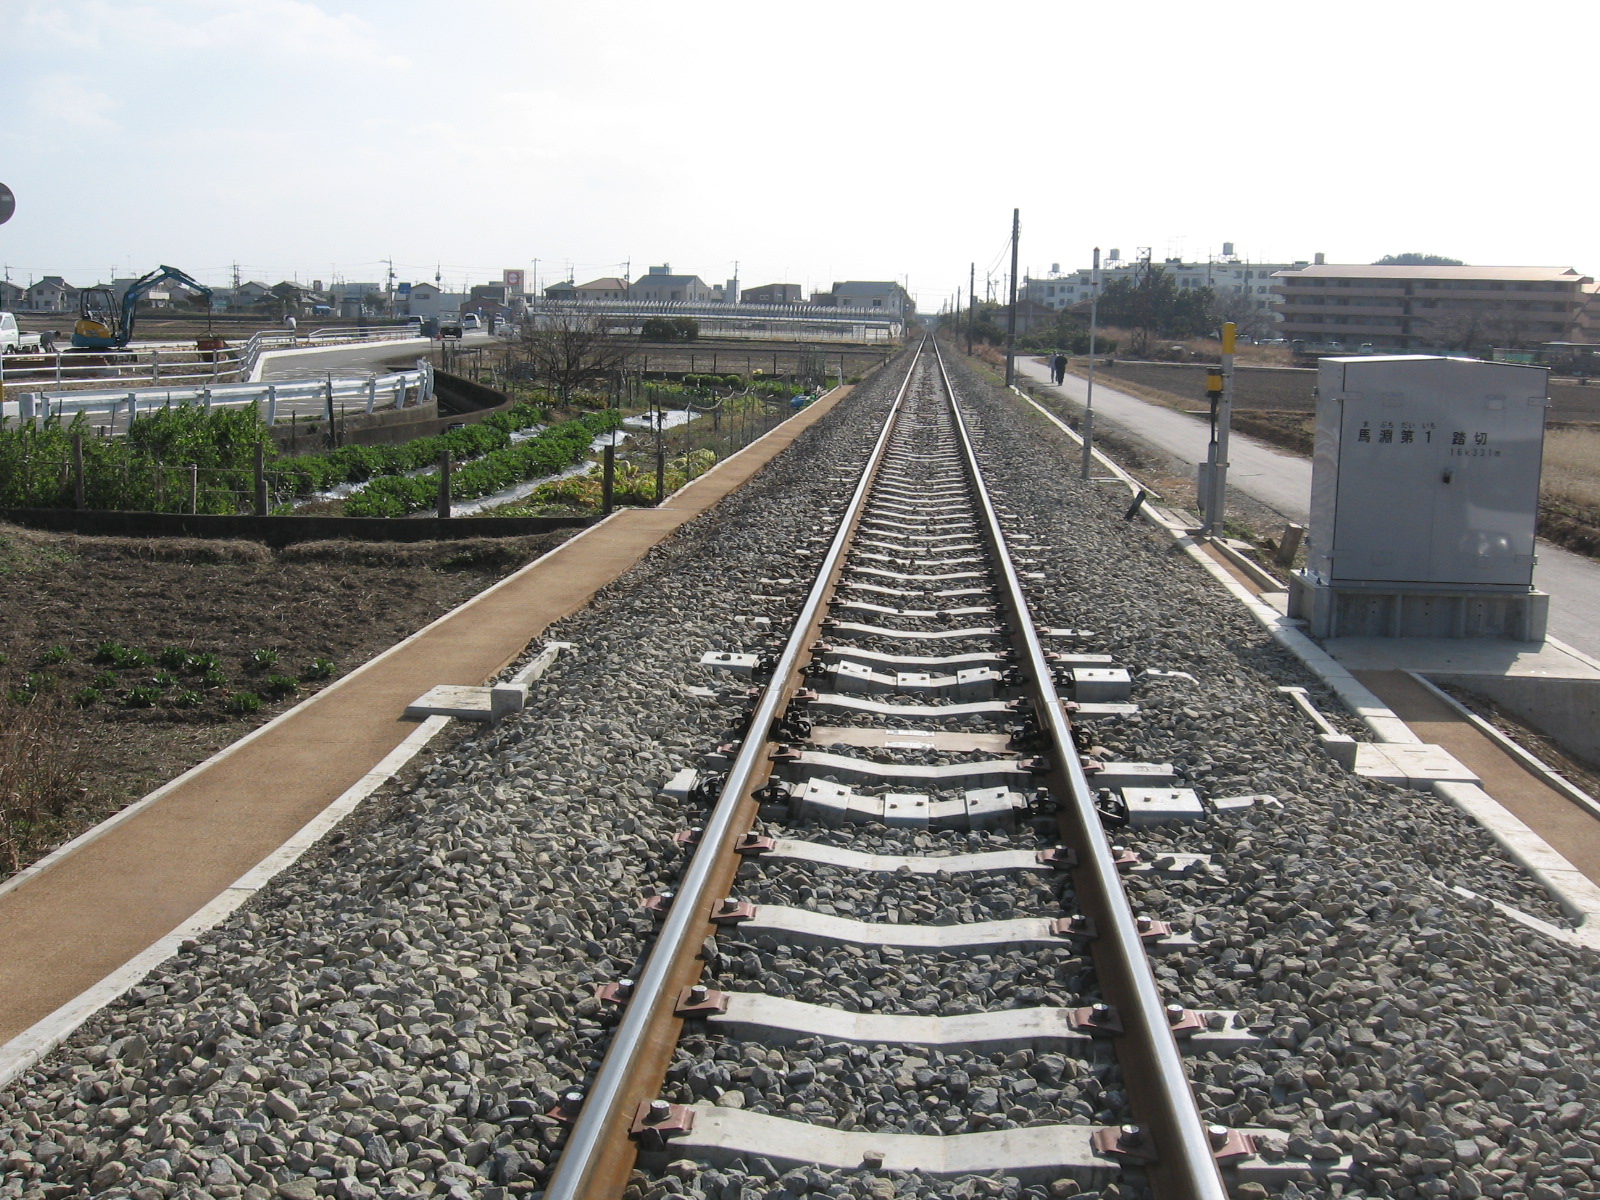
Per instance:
(1225,276)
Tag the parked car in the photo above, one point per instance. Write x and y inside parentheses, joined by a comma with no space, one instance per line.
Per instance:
(470,321)
(13,339)
(450,326)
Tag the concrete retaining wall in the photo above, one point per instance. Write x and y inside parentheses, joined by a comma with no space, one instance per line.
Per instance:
(1567,710)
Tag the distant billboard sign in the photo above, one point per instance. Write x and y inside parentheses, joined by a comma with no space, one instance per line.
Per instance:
(512,277)
(8,205)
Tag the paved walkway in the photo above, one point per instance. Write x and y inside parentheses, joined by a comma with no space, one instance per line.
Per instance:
(1282,482)
(1560,822)
(81,918)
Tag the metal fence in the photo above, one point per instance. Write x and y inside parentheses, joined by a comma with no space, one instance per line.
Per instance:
(398,389)
(174,364)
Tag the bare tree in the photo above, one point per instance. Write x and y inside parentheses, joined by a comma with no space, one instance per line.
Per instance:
(1240,308)
(570,347)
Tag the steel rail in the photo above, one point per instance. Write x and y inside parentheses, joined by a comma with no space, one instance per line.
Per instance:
(1185,1167)
(603,1115)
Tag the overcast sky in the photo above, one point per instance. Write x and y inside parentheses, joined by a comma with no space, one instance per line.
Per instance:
(313,139)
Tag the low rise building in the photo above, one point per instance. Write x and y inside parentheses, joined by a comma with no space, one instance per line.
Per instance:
(774,293)
(660,285)
(51,294)
(428,300)
(1249,284)
(1469,309)
(884,297)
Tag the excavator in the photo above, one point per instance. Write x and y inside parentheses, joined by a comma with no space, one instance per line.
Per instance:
(104,323)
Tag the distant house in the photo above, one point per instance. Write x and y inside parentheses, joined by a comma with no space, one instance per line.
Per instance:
(608,287)
(246,295)
(888,298)
(51,294)
(774,293)
(564,291)
(429,300)
(11,295)
(660,285)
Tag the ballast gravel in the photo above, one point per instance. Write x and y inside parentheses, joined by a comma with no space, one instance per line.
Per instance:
(395,1015)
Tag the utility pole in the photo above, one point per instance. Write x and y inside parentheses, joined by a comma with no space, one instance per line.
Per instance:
(972,303)
(389,291)
(1219,387)
(1088,403)
(1011,315)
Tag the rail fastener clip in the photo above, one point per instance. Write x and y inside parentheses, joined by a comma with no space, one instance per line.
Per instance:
(656,1120)
(698,1000)
(1101,1019)
(1129,1144)
(730,911)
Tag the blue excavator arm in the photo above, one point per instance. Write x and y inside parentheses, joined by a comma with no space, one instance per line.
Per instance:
(142,286)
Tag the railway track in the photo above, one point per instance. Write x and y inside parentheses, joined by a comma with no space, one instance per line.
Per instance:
(916,691)
(407,1011)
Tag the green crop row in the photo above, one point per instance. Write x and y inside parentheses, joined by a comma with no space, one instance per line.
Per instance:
(544,454)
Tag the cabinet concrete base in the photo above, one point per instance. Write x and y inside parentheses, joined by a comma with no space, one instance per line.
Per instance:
(1335,611)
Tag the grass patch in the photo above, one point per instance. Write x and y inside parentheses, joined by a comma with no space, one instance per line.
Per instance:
(40,778)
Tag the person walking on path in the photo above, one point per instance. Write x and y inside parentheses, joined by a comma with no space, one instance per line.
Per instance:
(1058,368)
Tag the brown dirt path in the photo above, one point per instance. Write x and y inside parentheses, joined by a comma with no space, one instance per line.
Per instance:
(101,904)
(1562,824)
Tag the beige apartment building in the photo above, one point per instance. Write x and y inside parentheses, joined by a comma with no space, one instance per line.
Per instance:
(1435,308)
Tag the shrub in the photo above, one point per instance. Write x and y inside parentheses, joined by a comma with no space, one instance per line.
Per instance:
(321,668)
(202,662)
(214,679)
(263,658)
(188,699)
(165,680)
(143,696)
(242,703)
(105,681)
(173,658)
(87,696)
(54,655)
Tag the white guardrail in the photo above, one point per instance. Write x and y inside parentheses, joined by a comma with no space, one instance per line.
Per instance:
(398,389)
(154,364)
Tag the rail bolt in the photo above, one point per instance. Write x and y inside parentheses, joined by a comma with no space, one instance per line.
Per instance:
(1218,1135)
(660,1110)
(1174,1013)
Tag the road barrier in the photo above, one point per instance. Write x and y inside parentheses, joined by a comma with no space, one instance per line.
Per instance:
(398,389)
